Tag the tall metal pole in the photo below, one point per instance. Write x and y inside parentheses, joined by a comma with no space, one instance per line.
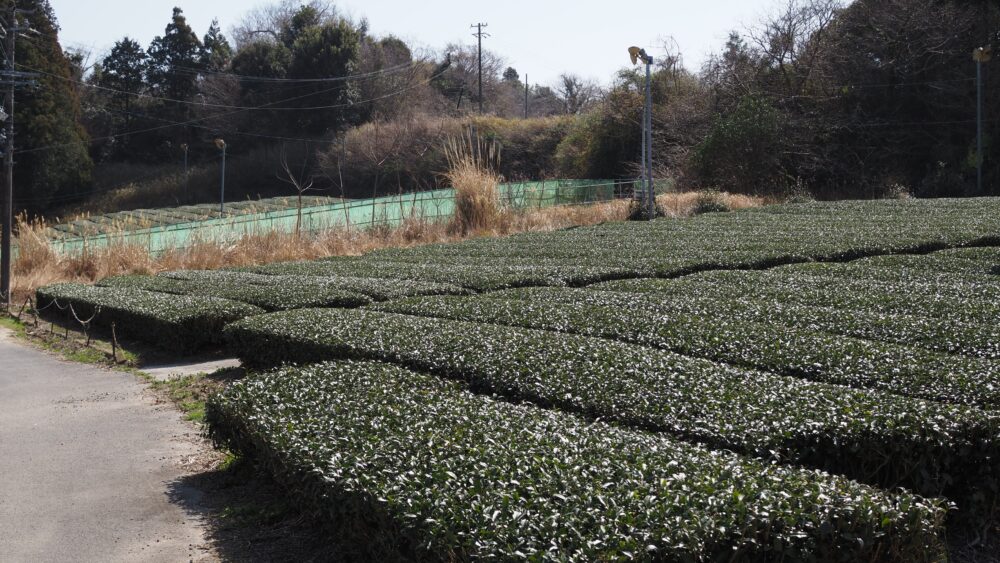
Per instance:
(649,142)
(979,127)
(980,55)
(480,34)
(222,193)
(184,147)
(8,200)
(642,166)
(221,144)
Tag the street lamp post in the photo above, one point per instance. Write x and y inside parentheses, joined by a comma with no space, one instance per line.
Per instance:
(222,192)
(981,55)
(637,54)
(184,147)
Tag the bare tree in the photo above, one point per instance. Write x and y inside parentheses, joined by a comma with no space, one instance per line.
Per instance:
(268,21)
(299,181)
(577,94)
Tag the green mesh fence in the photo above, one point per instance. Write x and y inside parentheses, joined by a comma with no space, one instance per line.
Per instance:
(165,229)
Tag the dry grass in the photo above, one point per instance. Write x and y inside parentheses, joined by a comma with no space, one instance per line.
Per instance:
(472,171)
(38,264)
(685,204)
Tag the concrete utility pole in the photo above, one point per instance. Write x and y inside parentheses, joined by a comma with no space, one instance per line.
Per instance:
(480,34)
(12,79)
(981,55)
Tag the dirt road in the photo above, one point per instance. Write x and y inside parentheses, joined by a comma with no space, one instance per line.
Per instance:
(90,466)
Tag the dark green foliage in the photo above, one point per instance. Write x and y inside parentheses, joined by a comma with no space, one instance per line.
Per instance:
(289,294)
(743,149)
(47,118)
(899,369)
(379,289)
(329,50)
(180,324)
(934,449)
(601,144)
(441,474)
(956,335)
(174,60)
(753,239)
(122,71)
(216,53)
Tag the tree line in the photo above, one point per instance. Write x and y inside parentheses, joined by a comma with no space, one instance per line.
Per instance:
(828,98)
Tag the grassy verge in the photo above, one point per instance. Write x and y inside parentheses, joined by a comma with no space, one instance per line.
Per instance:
(190,392)
(71,344)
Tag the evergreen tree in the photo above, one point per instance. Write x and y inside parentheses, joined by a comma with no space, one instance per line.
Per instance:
(122,71)
(216,53)
(326,51)
(52,164)
(175,60)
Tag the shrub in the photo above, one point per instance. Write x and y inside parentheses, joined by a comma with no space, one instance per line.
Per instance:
(291,294)
(879,438)
(817,356)
(181,324)
(412,463)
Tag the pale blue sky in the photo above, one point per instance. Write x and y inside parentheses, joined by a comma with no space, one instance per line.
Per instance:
(542,38)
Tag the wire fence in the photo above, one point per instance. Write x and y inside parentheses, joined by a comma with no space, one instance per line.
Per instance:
(383,212)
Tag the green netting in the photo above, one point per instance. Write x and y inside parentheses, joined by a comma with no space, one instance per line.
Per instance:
(172,228)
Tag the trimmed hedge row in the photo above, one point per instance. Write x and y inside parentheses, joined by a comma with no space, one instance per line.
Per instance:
(816,356)
(911,298)
(379,289)
(181,324)
(944,268)
(883,439)
(446,474)
(498,275)
(749,239)
(944,335)
(292,294)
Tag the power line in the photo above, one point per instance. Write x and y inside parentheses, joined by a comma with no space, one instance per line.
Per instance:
(246,78)
(230,113)
(192,103)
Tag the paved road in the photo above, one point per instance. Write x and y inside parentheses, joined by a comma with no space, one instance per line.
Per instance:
(90,466)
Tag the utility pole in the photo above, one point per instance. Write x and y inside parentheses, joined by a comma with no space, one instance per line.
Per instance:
(221,144)
(526,96)
(981,55)
(184,147)
(480,34)
(12,79)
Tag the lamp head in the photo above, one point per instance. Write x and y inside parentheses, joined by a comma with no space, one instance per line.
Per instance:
(220,143)
(982,54)
(637,54)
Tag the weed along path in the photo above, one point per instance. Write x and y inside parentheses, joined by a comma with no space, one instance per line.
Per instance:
(90,467)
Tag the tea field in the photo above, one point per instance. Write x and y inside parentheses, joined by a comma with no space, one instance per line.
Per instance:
(807,382)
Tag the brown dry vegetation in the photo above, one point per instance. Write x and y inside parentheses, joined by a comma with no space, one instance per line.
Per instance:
(38,264)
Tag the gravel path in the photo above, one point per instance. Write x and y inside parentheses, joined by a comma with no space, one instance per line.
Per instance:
(91,466)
